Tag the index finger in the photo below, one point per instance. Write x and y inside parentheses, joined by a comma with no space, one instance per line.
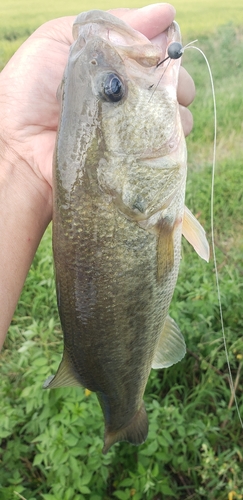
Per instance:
(150,20)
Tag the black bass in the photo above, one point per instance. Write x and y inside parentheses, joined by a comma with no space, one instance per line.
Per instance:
(119,188)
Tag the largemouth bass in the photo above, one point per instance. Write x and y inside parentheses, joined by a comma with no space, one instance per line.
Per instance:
(119,188)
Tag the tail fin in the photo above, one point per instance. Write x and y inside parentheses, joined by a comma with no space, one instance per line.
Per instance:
(135,432)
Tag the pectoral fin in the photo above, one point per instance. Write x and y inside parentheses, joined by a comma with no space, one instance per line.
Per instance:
(171,347)
(165,249)
(64,377)
(195,234)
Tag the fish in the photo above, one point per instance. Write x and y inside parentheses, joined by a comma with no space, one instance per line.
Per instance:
(119,178)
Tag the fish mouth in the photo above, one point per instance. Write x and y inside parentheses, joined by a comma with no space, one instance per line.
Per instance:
(127,41)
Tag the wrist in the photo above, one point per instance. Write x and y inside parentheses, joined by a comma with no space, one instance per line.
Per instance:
(25,208)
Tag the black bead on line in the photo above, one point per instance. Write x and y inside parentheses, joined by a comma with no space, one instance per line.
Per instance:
(175,50)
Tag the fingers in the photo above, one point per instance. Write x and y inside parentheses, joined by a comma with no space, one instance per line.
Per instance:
(186,88)
(150,20)
(185,95)
(186,120)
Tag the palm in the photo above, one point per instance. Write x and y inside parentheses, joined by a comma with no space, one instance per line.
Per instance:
(39,66)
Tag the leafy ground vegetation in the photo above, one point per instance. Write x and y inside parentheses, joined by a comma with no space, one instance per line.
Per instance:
(50,441)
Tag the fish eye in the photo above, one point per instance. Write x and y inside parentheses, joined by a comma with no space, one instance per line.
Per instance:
(113,88)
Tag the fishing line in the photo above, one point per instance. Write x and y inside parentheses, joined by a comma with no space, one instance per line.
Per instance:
(231,382)
(175,51)
(157,84)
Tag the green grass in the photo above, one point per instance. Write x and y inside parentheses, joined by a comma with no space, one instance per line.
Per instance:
(195,17)
(50,441)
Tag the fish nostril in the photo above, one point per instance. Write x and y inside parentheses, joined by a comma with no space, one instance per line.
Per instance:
(139,204)
(94,62)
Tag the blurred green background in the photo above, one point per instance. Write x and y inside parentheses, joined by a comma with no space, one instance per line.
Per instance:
(51,441)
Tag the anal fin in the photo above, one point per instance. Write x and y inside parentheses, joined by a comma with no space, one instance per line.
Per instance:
(171,347)
(64,377)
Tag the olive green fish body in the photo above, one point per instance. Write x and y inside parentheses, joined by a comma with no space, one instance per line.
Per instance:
(112,304)
(119,186)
